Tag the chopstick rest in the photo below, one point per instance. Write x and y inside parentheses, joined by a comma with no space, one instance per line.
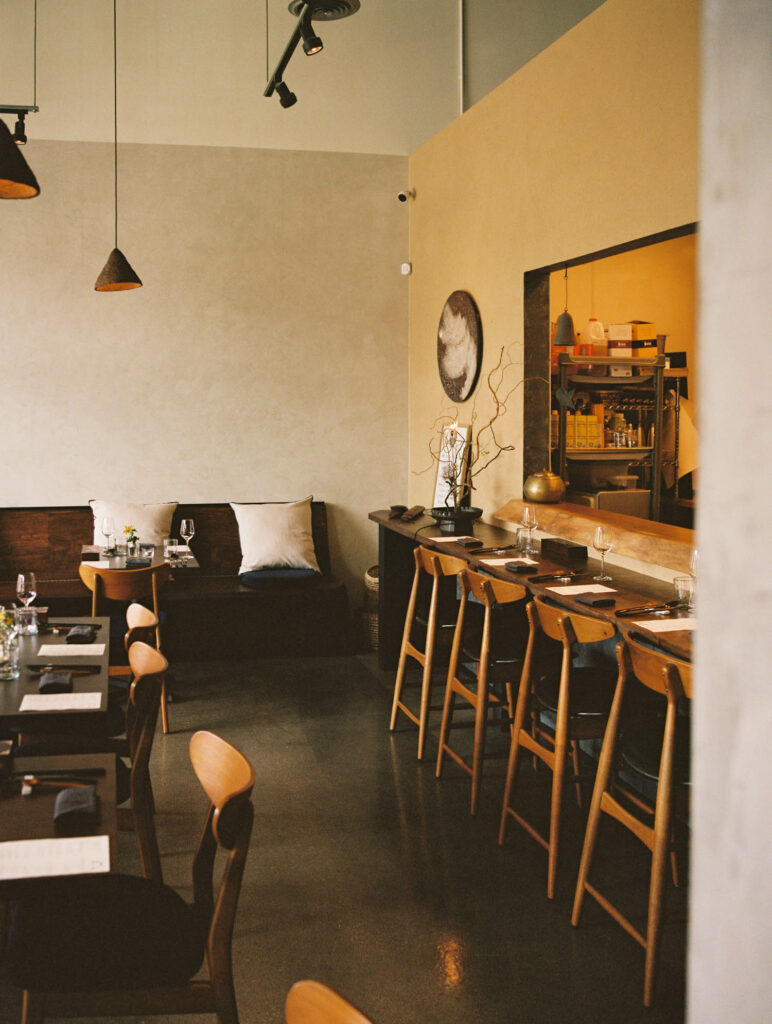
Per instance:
(76,811)
(55,682)
(81,635)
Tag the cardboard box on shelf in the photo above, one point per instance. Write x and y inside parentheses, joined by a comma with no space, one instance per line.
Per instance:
(633,330)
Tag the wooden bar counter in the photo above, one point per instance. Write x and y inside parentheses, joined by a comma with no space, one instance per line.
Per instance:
(670,546)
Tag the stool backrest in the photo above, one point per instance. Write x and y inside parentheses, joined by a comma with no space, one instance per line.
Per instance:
(570,627)
(491,591)
(657,670)
(438,564)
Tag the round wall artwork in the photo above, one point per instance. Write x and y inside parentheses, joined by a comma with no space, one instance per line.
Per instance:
(459,346)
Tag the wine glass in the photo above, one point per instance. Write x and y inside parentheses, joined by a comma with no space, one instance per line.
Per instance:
(26,588)
(602,544)
(530,523)
(187,530)
(108,531)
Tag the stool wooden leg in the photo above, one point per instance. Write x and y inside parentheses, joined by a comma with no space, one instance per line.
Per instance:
(426,679)
(33,1007)
(514,748)
(403,652)
(659,852)
(164,708)
(602,784)
(449,703)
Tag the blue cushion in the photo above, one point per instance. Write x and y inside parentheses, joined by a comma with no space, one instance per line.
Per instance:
(257,577)
(93,932)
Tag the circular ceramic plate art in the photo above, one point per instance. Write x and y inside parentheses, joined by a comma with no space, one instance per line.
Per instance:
(459,346)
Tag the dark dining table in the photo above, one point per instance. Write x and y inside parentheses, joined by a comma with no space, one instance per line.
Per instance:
(90,673)
(397,539)
(31,817)
(186,561)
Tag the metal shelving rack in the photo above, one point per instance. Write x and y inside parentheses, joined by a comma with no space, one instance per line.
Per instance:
(648,374)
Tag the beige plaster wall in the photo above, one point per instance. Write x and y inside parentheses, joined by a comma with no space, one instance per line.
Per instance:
(591,144)
(264,358)
(731,920)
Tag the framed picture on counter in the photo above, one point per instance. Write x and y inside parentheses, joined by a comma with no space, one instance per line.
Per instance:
(452,462)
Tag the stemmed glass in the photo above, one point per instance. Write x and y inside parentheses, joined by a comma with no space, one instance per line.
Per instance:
(187,530)
(530,523)
(108,531)
(602,544)
(26,588)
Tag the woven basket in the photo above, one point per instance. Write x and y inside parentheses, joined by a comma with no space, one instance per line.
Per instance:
(370,614)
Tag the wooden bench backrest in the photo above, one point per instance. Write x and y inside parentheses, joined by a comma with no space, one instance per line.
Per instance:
(48,541)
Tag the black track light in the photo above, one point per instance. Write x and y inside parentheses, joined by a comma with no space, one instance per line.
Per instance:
(286,97)
(19,135)
(311,42)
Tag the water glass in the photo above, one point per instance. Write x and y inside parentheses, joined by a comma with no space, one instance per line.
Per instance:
(170,548)
(683,587)
(27,621)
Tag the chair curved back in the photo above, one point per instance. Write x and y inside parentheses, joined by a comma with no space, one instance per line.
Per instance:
(227,778)
(657,670)
(142,624)
(311,1002)
(491,591)
(124,584)
(438,564)
(147,668)
(570,627)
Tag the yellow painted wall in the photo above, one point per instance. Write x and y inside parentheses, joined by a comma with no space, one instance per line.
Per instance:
(591,144)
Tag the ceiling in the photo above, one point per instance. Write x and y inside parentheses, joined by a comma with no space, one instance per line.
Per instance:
(192,72)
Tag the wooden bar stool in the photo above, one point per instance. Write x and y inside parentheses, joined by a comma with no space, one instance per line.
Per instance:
(498,662)
(579,700)
(670,678)
(434,623)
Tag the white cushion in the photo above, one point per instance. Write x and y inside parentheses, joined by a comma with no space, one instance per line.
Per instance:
(276,536)
(152,522)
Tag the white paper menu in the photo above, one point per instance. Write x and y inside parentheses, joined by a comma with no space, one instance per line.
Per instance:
(583,588)
(666,625)
(89,701)
(44,858)
(71,651)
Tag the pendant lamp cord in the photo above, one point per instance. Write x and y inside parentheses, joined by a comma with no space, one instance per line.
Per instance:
(565,274)
(267,69)
(115,114)
(35,57)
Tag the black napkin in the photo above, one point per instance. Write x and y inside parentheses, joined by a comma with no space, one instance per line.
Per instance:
(76,810)
(521,567)
(81,635)
(596,600)
(55,682)
(469,542)
(134,562)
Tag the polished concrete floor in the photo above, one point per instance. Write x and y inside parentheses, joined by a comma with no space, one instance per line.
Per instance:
(369,874)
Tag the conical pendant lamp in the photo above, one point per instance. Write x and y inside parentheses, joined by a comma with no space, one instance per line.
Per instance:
(565,335)
(117,274)
(16,179)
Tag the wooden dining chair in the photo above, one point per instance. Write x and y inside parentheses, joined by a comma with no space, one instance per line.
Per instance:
(576,699)
(497,662)
(671,678)
(135,585)
(311,1002)
(114,945)
(427,628)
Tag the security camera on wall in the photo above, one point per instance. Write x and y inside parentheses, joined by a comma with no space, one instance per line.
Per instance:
(408,193)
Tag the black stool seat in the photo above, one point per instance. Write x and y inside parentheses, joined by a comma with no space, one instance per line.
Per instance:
(592,690)
(640,747)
